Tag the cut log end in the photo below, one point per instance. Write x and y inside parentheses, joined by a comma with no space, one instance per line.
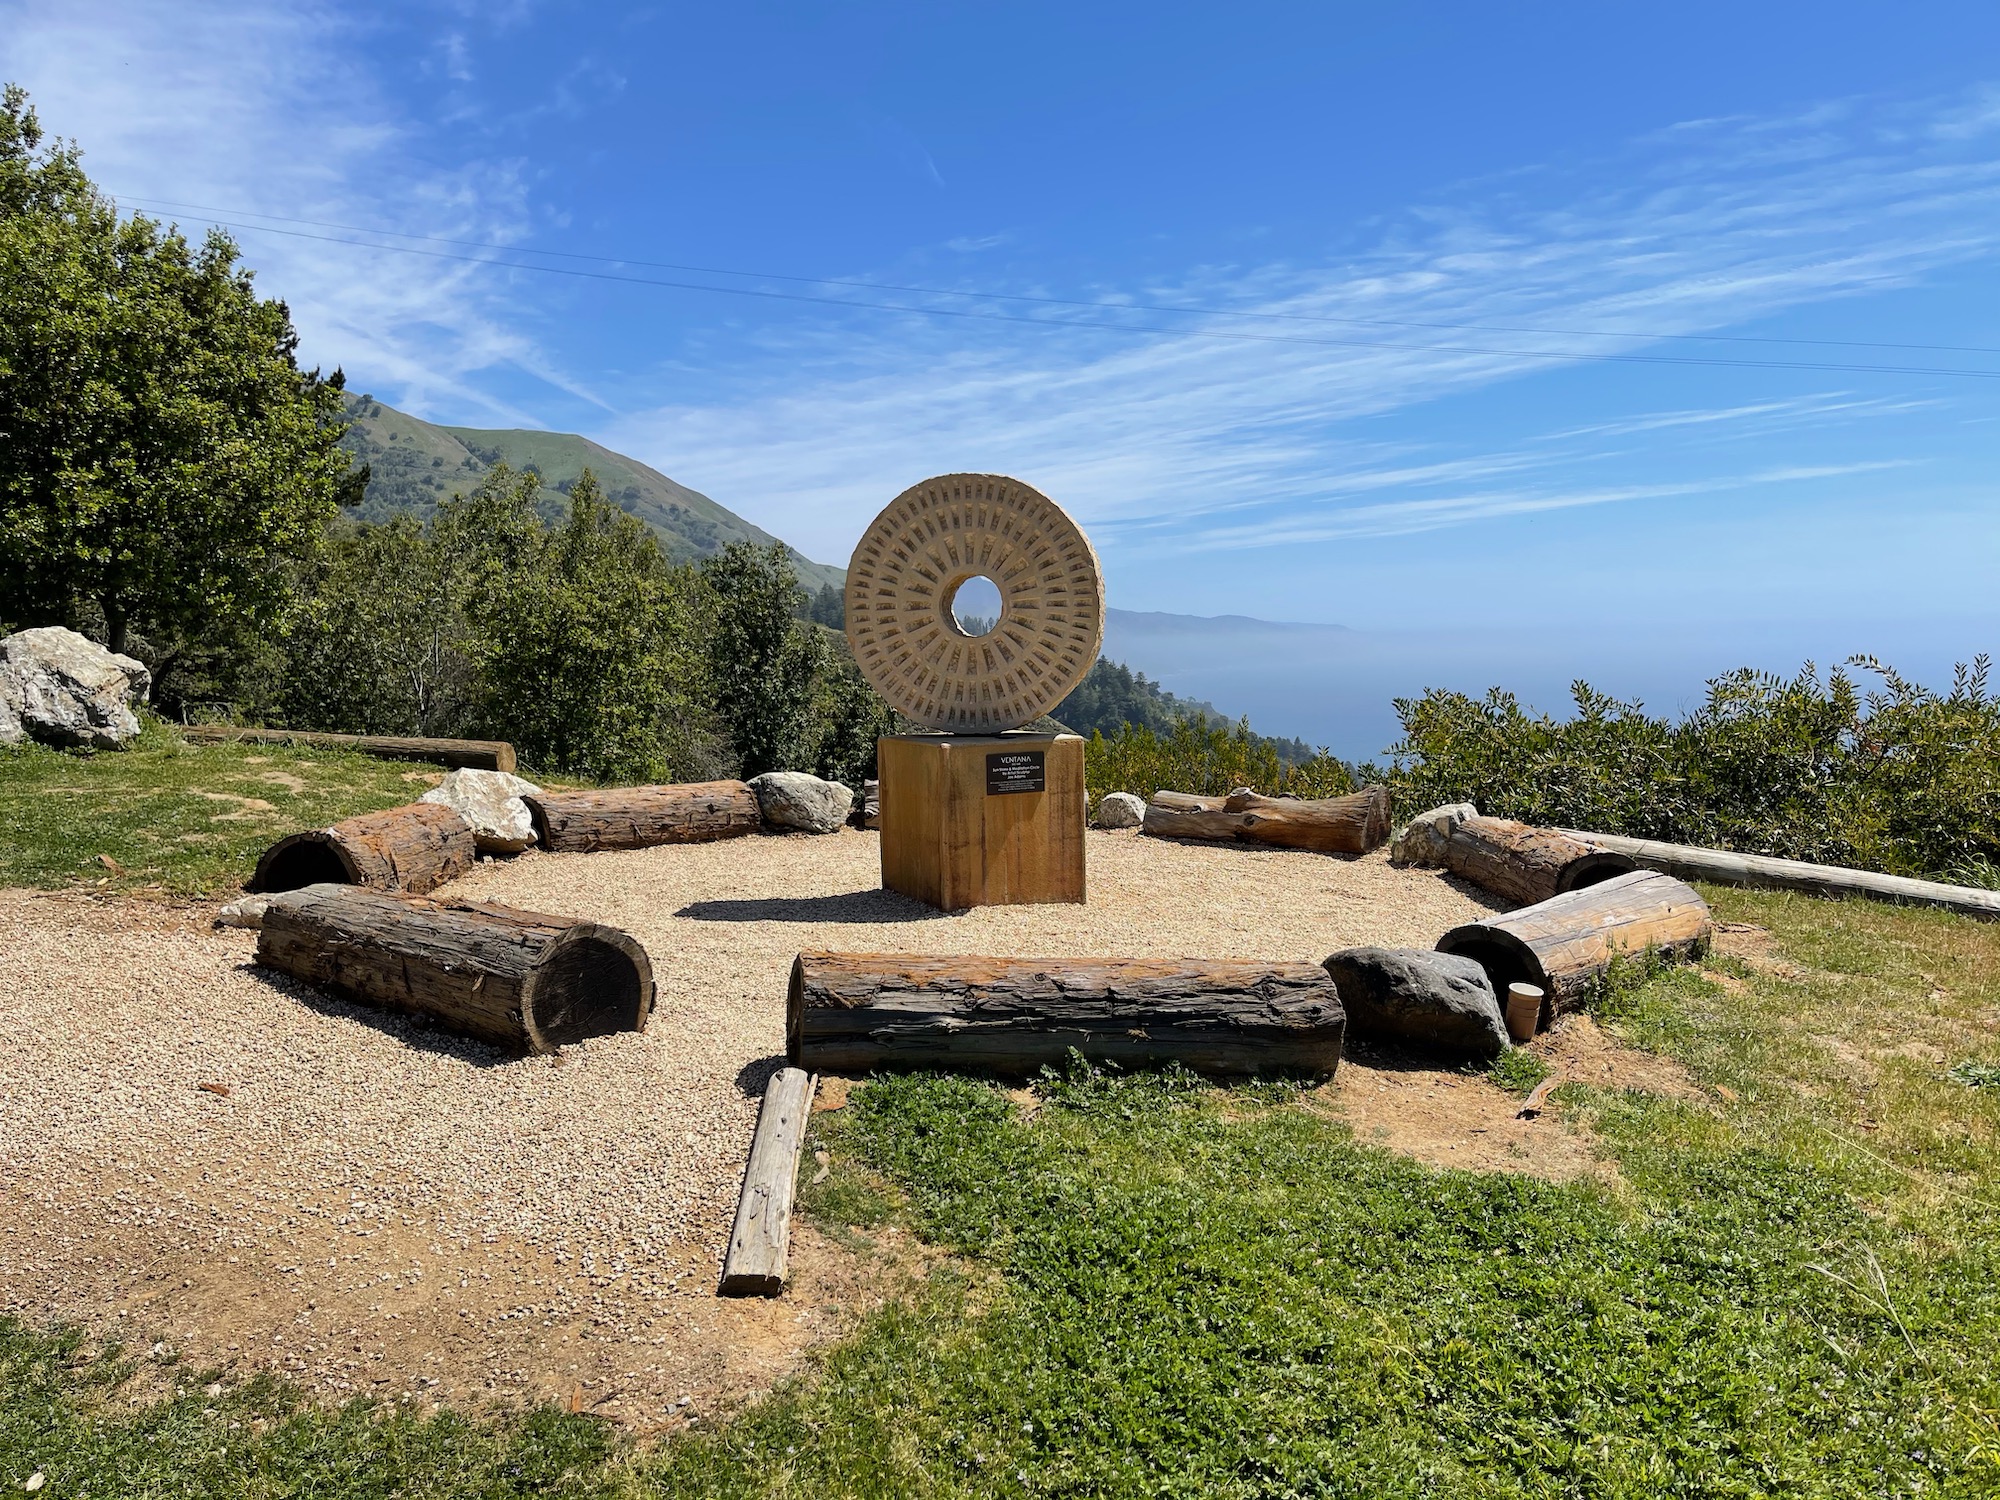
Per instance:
(303,859)
(1593,869)
(593,981)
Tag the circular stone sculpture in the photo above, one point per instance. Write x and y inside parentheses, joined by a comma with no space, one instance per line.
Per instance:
(906,571)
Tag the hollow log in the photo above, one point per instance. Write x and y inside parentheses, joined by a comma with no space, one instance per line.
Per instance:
(522,980)
(1353,824)
(1565,945)
(760,1240)
(638,817)
(476,755)
(1764,872)
(852,1012)
(411,849)
(1520,862)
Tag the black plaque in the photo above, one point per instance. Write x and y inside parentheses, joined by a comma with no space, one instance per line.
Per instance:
(1016,771)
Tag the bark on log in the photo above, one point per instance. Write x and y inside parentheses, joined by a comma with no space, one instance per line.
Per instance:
(638,817)
(1565,945)
(852,1012)
(1353,824)
(1763,872)
(1186,802)
(761,1238)
(1521,862)
(476,755)
(1168,822)
(523,980)
(411,849)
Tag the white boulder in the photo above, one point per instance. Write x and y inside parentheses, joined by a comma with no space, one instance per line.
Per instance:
(795,799)
(244,911)
(491,802)
(64,689)
(1120,810)
(1423,841)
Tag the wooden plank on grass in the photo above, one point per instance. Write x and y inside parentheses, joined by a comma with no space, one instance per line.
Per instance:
(476,755)
(1763,872)
(760,1240)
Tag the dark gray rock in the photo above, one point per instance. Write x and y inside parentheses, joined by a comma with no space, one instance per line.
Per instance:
(1414,995)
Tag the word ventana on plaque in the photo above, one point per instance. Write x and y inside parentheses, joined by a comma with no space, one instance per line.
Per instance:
(1017,771)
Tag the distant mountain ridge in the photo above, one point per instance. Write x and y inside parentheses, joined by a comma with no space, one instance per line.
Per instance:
(414,464)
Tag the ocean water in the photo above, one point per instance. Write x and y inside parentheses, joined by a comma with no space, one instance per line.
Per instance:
(1334,686)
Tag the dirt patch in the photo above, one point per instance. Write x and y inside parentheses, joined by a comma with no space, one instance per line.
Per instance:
(1458,1119)
(296,785)
(1755,948)
(376,1207)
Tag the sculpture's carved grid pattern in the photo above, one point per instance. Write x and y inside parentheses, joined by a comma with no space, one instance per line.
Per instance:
(909,564)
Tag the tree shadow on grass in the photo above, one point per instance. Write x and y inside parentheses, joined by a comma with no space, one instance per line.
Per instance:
(848,906)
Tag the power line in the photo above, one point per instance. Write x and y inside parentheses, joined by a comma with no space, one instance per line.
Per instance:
(1125,328)
(1151,307)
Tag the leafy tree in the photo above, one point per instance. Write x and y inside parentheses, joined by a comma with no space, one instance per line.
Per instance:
(828,608)
(385,642)
(162,456)
(850,717)
(588,658)
(763,661)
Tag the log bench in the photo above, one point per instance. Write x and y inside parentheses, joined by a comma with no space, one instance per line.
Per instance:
(1566,945)
(414,849)
(523,980)
(853,1012)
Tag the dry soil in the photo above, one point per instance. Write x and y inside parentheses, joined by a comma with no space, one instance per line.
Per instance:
(197,1152)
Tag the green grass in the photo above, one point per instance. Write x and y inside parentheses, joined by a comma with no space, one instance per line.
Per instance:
(190,819)
(1159,1288)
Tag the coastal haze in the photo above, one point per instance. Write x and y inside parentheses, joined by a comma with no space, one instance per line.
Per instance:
(1334,686)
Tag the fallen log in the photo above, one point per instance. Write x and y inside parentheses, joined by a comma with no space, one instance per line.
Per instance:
(523,980)
(1521,862)
(1353,824)
(760,1240)
(411,849)
(1564,946)
(1764,872)
(1186,802)
(852,1012)
(1166,821)
(475,755)
(638,817)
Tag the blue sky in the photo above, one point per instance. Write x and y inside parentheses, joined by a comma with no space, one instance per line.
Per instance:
(1328,236)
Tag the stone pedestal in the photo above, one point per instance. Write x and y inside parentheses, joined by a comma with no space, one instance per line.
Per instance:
(983,819)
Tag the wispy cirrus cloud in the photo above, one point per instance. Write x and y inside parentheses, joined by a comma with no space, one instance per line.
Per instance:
(271,105)
(1687,233)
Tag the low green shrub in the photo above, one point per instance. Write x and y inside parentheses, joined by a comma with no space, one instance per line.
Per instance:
(1901,779)
(1208,759)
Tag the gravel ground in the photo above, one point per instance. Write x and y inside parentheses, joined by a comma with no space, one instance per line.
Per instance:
(194,1150)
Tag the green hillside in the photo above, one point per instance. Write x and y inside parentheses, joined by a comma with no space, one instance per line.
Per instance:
(414,464)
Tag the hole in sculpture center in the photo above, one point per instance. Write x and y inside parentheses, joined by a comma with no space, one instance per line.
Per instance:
(976,605)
